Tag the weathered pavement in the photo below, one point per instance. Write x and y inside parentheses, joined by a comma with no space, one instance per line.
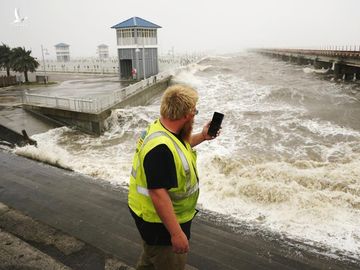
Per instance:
(94,214)
(29,244)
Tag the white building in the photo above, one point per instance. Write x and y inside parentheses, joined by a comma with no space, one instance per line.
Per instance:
(137,47)
(103,51)
(62,52)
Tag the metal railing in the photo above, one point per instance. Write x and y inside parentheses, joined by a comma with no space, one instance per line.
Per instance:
(346,52)
(111,65)
(93,106)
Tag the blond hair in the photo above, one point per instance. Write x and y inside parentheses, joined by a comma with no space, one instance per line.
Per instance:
(177,101)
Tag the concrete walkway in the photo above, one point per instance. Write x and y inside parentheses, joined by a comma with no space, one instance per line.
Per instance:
(96,213)
(29,244)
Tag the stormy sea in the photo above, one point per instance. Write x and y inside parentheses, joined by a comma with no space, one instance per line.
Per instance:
(287,160)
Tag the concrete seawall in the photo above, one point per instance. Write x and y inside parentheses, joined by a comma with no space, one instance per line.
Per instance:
(143,97)
(87,122)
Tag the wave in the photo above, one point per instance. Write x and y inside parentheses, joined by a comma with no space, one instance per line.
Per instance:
(105,157)
(317,71)
(47,150)
(305,199)
(214,59)
(187,76)
(124,120)
(217,69)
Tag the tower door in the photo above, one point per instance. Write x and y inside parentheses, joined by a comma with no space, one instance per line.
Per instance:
(125,68)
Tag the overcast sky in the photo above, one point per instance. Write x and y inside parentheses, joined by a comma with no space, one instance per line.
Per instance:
(187,25)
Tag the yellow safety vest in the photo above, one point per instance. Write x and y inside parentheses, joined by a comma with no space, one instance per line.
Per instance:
(184,196)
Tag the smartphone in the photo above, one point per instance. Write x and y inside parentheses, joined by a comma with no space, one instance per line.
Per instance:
(215,124)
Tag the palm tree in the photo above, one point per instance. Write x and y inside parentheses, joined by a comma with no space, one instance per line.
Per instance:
(22,61)
(5,58)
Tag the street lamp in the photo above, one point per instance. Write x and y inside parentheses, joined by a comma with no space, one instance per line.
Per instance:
(143,59)
(43,58)
(144,55)
(137,50)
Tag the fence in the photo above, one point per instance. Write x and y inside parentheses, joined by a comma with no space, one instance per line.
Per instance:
(6,81)
(92,106)
(111,65)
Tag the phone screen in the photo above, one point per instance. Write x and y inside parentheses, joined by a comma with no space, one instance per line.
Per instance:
(215,124)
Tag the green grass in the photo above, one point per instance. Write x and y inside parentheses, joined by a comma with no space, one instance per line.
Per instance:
(37,84)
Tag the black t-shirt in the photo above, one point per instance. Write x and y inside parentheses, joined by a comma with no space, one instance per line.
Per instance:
(159,168)
(160,171)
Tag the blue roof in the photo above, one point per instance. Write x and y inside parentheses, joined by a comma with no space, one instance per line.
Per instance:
(61,45)
(136,22)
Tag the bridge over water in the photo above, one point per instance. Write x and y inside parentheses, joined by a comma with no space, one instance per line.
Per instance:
(89,114)
(344,64)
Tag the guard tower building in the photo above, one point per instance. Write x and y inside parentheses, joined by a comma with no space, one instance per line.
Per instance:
(137,47)
(103,51)
(62,52)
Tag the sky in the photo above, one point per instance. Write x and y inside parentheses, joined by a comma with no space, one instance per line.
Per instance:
(188,26)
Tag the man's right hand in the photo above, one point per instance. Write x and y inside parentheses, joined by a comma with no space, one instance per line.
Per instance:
(163,205)
(180,243)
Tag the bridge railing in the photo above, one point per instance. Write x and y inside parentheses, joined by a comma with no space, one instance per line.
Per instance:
(325,52)
(96,105)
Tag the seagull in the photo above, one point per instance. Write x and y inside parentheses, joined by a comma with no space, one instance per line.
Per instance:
(18,19)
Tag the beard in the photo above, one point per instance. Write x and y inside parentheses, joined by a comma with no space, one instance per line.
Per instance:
(186,131)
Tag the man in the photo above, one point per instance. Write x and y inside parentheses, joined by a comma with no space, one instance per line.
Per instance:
(133,73)
(164,187)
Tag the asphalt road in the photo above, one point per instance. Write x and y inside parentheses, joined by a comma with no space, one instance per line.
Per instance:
(97,213)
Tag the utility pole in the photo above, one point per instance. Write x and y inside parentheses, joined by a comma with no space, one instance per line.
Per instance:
(43,58)
(144,56)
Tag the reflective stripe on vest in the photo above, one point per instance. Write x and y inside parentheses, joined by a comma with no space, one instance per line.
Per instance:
(142,190)
(185,164)
(174,196)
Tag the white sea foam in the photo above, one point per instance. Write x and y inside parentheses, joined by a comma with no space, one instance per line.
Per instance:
(186,75)
(47,150)
(313,70)
(311,193)
(326,128)
(319,202)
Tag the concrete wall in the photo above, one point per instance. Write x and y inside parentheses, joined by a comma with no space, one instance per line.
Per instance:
(143,97)
(90,123)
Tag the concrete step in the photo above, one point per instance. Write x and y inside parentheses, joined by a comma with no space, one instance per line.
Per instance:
(17,254)
(28,244)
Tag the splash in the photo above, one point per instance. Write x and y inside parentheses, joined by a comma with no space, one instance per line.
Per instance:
(318,71)
(47,150)
(311,201)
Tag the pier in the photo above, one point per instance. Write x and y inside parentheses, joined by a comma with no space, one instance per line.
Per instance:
(342,63)
(89,115)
